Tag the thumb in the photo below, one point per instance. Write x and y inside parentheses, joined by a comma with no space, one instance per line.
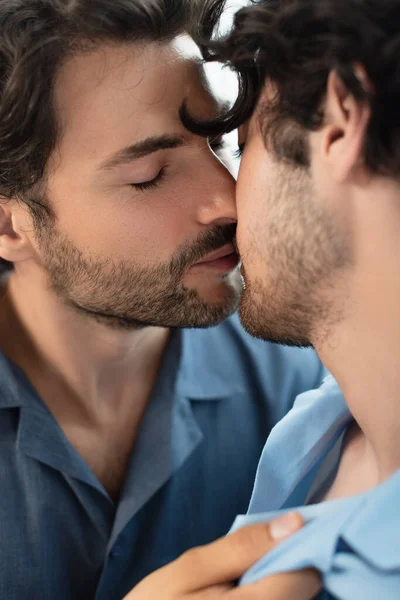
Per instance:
(228,558)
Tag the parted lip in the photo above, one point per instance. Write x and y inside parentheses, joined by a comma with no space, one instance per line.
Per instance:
(221,253)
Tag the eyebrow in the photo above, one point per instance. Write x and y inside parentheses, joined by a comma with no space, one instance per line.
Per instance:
(141,149)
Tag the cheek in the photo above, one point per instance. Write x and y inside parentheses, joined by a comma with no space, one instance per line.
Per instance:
(121,228)
(250,206)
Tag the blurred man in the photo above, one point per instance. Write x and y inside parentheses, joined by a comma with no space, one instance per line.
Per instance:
(121,429)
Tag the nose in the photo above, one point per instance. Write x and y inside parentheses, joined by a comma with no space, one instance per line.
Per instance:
(217,205)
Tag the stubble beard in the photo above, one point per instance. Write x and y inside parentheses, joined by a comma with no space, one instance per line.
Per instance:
(121,295)
(305,251)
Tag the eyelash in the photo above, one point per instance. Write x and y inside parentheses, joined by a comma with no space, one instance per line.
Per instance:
(239,152)
(149,185)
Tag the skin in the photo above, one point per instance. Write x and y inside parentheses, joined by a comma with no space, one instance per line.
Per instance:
(320,262)
(87,311)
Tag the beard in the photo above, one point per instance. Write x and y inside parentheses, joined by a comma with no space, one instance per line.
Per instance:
(293,299)
(122,295)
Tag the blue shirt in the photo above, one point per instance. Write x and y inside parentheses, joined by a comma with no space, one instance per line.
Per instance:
(61,536)
(354,542)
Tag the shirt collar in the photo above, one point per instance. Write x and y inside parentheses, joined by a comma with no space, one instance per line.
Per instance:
(193,369)
(351,540)
(169,433)
(354,541)
(313,425)
(379,542)
(16,391)
(182,378)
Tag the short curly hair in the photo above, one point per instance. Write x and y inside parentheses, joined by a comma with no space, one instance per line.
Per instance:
(295,44)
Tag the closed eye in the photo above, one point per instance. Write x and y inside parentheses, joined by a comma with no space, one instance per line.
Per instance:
(153,183)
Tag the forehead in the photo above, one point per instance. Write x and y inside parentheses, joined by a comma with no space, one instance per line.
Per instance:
(117,94)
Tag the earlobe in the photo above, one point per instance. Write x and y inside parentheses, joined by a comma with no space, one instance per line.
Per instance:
(14,246)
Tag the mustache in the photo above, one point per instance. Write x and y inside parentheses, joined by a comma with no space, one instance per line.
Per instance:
(210,241)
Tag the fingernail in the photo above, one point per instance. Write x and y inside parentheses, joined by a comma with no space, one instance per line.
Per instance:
(284,526)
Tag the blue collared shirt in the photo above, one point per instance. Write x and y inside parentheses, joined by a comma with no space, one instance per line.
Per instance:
(354,542)
(61,536)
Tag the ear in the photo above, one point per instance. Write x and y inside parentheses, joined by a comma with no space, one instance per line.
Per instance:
(346,123)
(15,223)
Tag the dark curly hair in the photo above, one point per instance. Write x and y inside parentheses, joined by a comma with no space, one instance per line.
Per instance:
(36,38)
(295,44)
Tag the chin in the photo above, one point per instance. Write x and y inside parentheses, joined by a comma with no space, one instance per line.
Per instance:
(251,324)
(277,327)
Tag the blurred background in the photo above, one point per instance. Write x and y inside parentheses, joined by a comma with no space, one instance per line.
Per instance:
(223,81)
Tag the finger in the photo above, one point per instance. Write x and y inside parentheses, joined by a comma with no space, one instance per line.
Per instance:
(228,558)
(300,585)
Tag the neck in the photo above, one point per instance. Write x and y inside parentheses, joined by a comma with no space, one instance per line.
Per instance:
(362,351)
(88,364)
